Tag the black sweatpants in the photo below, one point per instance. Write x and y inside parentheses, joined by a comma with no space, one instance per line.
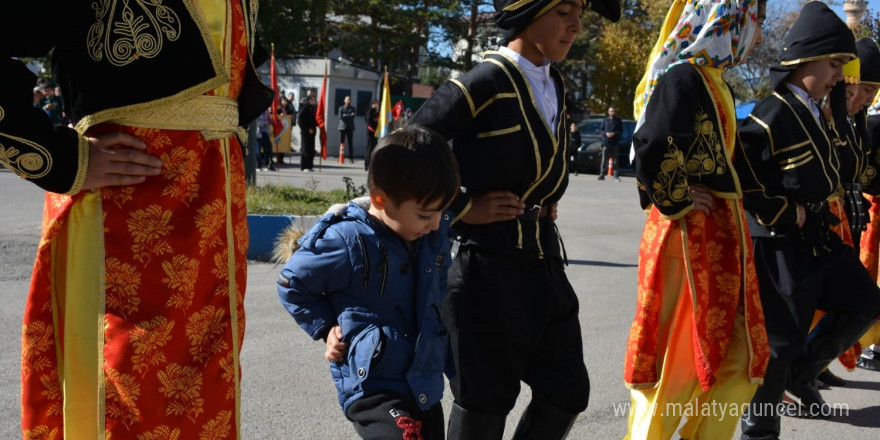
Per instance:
(511,320)
(391,416)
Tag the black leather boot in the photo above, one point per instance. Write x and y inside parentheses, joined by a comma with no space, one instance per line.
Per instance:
(543,421)
(835,333)
(762,420)
(471,425)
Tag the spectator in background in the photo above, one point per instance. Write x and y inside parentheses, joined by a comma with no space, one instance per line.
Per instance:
(574,143)
(264,142)
(372,119)
(611,131)
(307,127)
(346,115)
(52,105)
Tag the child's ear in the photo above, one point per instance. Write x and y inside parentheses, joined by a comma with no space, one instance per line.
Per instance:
(378,198)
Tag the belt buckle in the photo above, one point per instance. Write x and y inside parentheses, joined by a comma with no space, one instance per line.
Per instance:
(531,214)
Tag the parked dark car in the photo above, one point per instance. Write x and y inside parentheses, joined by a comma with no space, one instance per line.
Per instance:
(589,153)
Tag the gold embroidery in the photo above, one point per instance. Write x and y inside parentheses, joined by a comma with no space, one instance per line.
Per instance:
(181,170)
(161,433)
(182,386)
(123,282)
(706,154)
(148,230)
(181,274)
(123,33)
(30,165)
(41,432)
(205,331)
(148,338)
(123,392)
(671,183)
(218,428)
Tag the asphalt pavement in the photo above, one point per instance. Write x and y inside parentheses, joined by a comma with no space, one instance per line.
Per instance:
(286,388)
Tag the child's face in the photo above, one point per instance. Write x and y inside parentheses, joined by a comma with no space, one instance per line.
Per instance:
(552,35)
(817,78)
(854,98)
(410,220)
(869,92)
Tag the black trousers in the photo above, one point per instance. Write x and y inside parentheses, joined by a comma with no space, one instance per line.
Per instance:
(797,274)
(371,145)
(513,320)
(392,416)
(347,137)
(307,155)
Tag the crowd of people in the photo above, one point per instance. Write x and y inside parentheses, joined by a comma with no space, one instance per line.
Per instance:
(758,262)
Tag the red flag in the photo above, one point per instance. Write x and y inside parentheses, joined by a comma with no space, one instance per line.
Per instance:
(397,110)
(276,123)
(319,114)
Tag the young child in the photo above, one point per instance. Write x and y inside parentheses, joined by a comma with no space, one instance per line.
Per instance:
(369,278)
(506,119)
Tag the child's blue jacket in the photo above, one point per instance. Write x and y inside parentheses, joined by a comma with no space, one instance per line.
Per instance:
(387,302)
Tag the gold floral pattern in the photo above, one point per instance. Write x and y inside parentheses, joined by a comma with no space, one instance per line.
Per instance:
(41,432)
(149,229)
(123,282)
(182,386)
(181,274)
(721,265)
(37,341)
(206,330)
(125,30)
(217,428)
(148,338)
(161,433)
(181,169)
(706,153)
(671,186)
(122,392)
(212,225)
(52,392)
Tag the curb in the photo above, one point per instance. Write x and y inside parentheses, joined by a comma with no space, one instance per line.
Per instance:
(265,229)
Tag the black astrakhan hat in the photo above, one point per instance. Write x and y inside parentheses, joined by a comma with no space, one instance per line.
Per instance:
(869,56)
(514,16)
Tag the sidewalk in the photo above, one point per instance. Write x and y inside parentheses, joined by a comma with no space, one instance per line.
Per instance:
(286,389)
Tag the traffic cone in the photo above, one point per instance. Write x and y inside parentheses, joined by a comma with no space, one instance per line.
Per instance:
(342,152)
(610,166)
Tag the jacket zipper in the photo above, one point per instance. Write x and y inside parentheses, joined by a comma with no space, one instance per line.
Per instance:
(366,274)
(384,252)
(443,330)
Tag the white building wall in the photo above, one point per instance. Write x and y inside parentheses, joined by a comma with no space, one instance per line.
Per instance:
(301,75)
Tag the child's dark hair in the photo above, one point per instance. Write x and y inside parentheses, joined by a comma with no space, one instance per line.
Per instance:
(414,163)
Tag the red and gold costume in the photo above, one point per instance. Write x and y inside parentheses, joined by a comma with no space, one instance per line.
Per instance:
(134,321)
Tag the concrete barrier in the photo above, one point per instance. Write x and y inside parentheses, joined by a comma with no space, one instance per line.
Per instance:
(265,229)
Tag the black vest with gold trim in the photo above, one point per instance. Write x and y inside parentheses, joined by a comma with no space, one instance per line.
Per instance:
(503,142)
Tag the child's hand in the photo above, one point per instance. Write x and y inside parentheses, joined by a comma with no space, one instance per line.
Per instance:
(336,349)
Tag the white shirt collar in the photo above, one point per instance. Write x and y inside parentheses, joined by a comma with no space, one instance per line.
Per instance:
(543,87)
(814,106)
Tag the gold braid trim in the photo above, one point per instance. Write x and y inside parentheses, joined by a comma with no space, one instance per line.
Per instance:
(82,167)
(215,116)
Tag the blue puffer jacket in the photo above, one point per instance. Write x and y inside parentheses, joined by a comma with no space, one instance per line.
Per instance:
(386,301)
